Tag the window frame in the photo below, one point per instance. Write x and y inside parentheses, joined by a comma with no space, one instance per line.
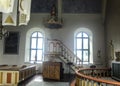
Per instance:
(36,57)
(82,49)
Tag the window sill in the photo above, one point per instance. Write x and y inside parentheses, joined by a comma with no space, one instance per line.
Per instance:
(33,62)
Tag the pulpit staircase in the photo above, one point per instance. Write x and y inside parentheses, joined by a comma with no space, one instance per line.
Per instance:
(85,76)
(58,49)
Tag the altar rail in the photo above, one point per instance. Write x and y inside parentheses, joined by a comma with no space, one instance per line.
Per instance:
(94,77)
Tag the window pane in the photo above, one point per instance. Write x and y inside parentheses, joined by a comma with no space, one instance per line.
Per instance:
(39,54)
(34,34)
(85,35)
(79,43)
(79,35)
(40,35)
(40,43)
(85,56)
(33,52)
(33,43)
(36,46)
(82,46)
(85,43)
(79,54)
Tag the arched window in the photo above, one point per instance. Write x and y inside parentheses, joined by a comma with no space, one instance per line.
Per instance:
(36,47)
(83,46)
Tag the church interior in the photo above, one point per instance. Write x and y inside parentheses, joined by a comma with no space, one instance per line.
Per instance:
(78,39)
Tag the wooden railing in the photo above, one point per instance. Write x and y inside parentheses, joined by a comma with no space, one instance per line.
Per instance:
(94,77)
(56,47)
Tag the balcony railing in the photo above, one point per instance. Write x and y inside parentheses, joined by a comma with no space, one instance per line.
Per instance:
(95,77)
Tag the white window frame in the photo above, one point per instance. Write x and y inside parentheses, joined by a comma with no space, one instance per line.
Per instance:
(82,38)
(27,44)
(36,49)
(89,33)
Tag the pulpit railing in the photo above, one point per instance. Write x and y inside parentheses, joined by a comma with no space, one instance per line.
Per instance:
(56,47)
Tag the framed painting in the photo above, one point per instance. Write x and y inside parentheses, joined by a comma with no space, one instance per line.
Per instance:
(11,43)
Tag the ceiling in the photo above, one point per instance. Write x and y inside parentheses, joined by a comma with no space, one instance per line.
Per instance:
(68,6)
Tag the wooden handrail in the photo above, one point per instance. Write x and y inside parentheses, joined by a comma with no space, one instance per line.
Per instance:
(79,74)
(70,51)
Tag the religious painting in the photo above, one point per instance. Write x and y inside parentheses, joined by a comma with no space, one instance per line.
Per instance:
(11,43)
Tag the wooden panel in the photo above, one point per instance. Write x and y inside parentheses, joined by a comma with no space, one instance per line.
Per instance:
(46,72)
(57,72)
(9,76)
(1,76)
(16,78)
(51,70)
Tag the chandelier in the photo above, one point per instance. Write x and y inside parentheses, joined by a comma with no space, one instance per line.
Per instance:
(3,31)
(53,21)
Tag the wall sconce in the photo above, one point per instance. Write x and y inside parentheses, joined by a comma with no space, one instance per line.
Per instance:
(3,31)
(99,53)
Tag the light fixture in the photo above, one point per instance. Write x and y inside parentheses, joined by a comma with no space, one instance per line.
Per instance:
(53,21)
(3,31)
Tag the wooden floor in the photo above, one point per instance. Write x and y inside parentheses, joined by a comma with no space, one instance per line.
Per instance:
(66,78)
